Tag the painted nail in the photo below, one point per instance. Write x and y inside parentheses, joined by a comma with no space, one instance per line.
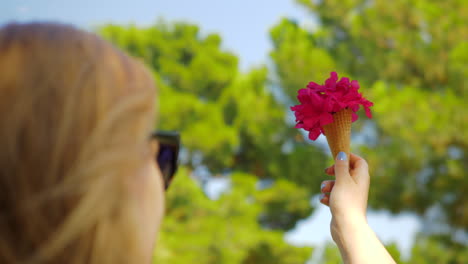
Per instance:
(322,186)
(341,156)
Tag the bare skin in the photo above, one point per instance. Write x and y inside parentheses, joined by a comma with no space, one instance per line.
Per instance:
(149,191)
(347,198)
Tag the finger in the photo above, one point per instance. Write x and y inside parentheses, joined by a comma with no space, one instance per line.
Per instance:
(353,158)
(360,169)
(342,168)
(327,186)
(325,199)
(330,170)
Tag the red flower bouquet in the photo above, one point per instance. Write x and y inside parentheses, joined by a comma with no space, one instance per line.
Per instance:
(330,109)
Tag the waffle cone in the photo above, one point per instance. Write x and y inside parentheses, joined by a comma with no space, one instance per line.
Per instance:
(338,133)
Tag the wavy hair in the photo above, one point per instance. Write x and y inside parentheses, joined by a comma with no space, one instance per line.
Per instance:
(75,115)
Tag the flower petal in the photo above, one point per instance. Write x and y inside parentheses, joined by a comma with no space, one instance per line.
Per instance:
(326,119)
(314,134)
(355,85)
(313,86)
(368,112)
(330,83)
(319,102)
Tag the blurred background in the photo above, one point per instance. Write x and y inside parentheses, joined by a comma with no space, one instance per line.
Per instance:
(227,73)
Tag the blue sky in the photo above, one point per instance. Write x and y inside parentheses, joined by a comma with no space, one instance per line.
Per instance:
(243,25)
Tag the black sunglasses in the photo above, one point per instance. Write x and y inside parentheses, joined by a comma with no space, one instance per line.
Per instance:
(168,154)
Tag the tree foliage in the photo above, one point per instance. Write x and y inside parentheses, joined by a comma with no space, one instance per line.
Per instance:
(411,58)
(200,230)
(230,121)
(230,124)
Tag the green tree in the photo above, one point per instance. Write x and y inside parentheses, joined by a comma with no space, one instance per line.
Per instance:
(417,42)
(411,58)
(240,127)
(230,121)
(200,230)
(230,124)
(431,250)
(330,254)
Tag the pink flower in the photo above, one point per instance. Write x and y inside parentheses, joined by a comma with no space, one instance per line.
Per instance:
(318,103)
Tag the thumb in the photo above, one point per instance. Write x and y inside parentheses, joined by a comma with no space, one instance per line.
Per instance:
(342,168)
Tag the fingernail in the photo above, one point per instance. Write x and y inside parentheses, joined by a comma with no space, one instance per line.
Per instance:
(341,156)
(322,186)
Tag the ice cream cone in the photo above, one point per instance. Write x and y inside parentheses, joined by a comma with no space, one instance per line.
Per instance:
(338,133)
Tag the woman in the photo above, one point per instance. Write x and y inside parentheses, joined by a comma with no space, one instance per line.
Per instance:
(78,181)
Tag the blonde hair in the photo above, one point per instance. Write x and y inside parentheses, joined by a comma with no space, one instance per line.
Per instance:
(75,114)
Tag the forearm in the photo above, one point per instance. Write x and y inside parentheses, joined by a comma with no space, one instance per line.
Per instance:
(359,244)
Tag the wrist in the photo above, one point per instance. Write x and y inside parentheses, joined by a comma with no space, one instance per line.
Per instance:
(346,229)
(359,244)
